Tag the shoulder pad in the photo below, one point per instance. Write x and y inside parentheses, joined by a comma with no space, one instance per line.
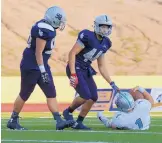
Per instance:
(45,26)
(43,31)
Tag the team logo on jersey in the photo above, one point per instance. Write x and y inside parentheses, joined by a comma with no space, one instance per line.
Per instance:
(82,35)
(58,16)
(40,33)
(104,46)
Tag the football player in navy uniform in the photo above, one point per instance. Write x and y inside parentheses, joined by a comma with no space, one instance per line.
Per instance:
(88,47)
(35,69)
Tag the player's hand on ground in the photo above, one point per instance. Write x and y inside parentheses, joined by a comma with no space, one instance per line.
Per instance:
(114,87)
(45,77)
(73,80)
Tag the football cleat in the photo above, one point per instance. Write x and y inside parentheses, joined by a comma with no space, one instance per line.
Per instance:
(67,115)
(64,124)
(14,124)
(80,126)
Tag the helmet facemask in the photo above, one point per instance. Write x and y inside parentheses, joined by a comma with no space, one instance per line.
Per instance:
(59,25)
(62,26)
(103,25)
(60,22)
(104,30)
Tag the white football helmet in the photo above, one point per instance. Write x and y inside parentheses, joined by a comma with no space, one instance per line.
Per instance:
(56,17)
(124,101)
(99,27)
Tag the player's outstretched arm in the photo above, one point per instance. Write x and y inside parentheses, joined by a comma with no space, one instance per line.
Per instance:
(104,72)
(146,95)
(103,69)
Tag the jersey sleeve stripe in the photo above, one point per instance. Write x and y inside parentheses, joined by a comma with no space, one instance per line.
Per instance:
(80,43)
(45,26)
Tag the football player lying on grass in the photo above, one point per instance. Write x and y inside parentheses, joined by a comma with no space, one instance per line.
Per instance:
(134,111)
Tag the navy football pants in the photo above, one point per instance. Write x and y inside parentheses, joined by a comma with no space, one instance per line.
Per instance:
(29,79)
(86,87)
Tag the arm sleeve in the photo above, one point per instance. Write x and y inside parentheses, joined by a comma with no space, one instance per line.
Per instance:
(83,38)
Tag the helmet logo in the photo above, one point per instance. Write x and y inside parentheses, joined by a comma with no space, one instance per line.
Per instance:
(58,16)
(106,18)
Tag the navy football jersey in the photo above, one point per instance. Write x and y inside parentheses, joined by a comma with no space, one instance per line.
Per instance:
(44,31)
(92,47)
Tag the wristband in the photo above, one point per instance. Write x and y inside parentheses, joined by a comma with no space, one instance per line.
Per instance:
(42,68)
(112,83)
(141,89)
(73,74)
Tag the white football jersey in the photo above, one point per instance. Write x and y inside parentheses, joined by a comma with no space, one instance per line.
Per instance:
(138,119)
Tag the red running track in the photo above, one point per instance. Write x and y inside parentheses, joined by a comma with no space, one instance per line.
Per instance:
(8,107)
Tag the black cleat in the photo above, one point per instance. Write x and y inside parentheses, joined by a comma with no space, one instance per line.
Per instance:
(64,124)
(80,126)
(67,115)
(13,124)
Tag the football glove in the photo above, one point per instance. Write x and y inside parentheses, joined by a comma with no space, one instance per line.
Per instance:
(45,77)
(74,80)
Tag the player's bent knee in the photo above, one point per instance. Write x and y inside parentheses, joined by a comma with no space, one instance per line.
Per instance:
(50,93)
(51,96)
(94,98)
(24,96)
(49,90)
(86,97)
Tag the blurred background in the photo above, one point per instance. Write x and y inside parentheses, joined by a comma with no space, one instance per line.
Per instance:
(136,37)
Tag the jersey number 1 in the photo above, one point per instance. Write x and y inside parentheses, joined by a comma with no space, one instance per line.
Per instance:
(139,123)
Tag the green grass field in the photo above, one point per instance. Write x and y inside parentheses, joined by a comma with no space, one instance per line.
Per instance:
(43,130)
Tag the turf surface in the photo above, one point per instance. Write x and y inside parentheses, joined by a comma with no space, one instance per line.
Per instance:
(43,130)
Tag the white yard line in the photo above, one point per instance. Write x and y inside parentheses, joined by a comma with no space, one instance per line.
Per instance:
(156,125)
(51,121)
(51,141)
(106,132)
(45,119)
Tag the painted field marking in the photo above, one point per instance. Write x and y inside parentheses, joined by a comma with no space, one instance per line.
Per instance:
(71,131)
(52,141)
(86,124)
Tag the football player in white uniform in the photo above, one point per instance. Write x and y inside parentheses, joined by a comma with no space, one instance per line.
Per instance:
(133,115)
